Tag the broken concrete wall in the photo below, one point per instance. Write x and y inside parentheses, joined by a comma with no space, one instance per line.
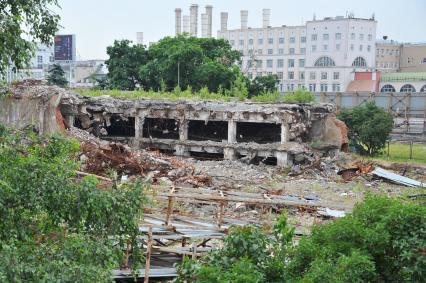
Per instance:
(232,130)
(25,106)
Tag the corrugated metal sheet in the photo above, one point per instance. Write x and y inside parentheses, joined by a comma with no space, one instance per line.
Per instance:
(382,173)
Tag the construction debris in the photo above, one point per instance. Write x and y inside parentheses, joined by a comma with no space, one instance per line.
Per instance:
(99,157)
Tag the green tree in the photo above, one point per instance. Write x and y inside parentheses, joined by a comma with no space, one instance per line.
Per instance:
(182,61)
(124,63)
(55,227)
(369,127)
(263,84)
(57,76)
(22,24)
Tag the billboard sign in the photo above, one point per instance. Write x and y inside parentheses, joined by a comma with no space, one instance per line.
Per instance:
(65,48)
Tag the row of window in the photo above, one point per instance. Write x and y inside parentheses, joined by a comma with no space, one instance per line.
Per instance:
(325,47)
(324,87)
(312,87)
(386,51)
(405,88)
(326,61)
(291,51)
(281,40)
(386,65)
(410,60)
(301,75)
(291,63)
(338,36)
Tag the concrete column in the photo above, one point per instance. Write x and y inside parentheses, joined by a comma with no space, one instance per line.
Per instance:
(139,122)
(229,153)
(183,130)
(180,150)
(232,131)
(282,159)
(285,135)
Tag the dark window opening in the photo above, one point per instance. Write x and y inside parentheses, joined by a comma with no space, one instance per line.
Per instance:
(206,155)
(161,128)
(258,132)
(120,126)
(77,123)
(213,131)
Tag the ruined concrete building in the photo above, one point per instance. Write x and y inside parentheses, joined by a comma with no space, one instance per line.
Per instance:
(270,133)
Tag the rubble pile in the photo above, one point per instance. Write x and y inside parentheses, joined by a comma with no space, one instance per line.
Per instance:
(99,157)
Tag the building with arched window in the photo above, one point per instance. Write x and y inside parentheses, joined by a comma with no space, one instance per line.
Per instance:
(403,82)
(388,88)
(337,48)
(359,62)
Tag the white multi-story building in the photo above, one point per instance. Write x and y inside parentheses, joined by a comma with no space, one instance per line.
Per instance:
(38,65)
(322,55)
(336,49)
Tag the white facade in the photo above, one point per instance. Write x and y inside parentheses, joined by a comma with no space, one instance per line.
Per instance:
(322,55)
(336,48)
(38,66)
(277,50)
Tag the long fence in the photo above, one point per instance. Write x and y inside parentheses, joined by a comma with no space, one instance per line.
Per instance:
(408,109)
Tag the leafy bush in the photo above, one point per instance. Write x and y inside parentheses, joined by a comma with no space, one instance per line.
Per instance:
(54,227)
(299,96)
(369,127)
(383,240)
(262,84)
(248,255)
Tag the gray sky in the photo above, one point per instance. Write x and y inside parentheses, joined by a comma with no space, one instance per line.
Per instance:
(97,23)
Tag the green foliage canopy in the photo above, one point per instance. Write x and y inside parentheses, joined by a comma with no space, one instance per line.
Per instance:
(55,228)
(383,240)
(369,127)
(20,20)
(57,76)
(263,84)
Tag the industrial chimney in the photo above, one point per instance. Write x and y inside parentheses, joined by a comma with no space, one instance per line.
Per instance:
(178,21)
(193,20)
(223,21)
(139,38)
(185,24)
(266,17)
(204,25)
(209,12)
(244,19)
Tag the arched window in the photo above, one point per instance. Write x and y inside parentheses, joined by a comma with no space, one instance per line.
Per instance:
(387,88)
(325,62)
(423,89)
(359,62)
(407,88)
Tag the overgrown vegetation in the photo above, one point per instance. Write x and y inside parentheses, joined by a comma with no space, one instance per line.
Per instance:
(383,240)
(369,127)
(55,227)
(299,96)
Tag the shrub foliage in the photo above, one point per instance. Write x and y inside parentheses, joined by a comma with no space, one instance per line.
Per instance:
(55,228)
(383,240)
(369,127)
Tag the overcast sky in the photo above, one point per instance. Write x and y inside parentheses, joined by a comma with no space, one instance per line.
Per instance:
(97,23)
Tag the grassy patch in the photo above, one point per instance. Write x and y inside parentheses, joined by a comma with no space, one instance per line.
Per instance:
(203,94)
(400,152)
